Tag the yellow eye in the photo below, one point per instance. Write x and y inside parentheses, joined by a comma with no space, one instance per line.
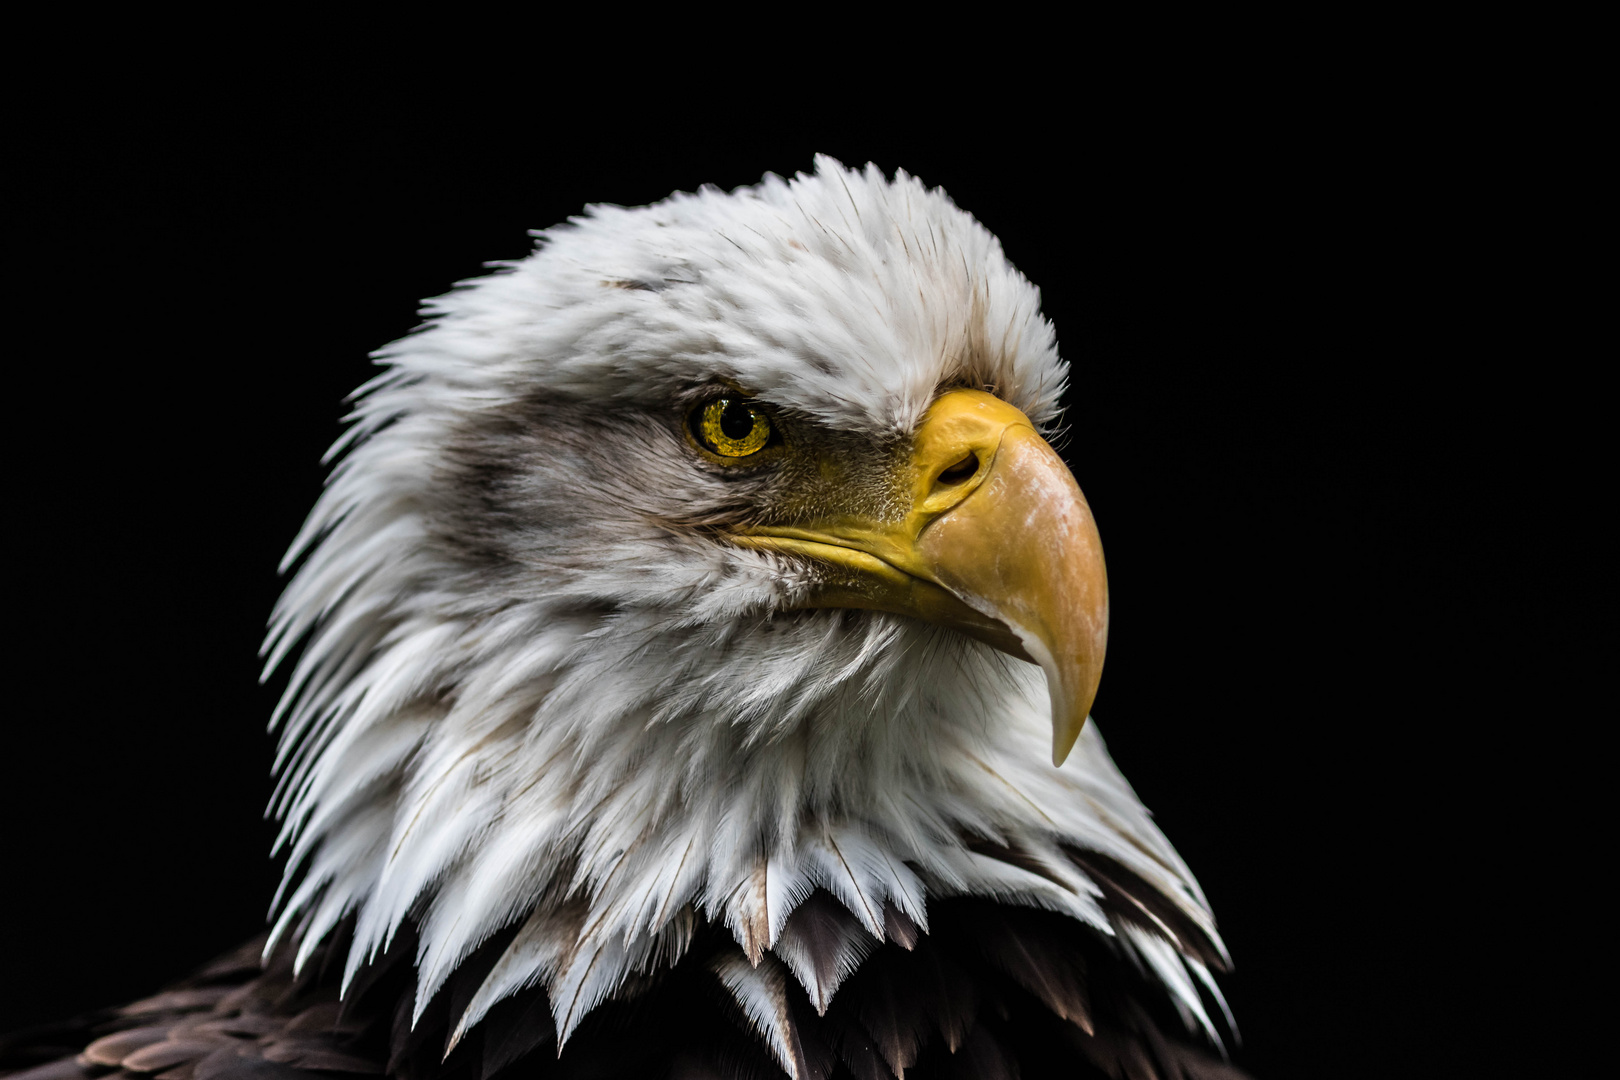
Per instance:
(731,427)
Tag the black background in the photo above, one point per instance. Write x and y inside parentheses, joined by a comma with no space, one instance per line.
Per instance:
(1314,330)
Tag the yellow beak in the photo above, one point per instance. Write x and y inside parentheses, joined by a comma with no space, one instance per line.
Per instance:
(997,542)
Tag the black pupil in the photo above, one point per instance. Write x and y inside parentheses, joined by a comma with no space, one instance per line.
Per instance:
(737,421)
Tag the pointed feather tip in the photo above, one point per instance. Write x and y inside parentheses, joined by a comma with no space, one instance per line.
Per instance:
(898,927)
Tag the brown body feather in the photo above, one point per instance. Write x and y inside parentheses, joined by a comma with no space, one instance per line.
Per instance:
(989,992)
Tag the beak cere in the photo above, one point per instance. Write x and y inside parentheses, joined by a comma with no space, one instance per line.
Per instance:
(999,543)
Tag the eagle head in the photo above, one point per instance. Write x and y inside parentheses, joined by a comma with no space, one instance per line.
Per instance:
(712,555)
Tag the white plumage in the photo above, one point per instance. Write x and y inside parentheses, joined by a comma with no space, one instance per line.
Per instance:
(585,712)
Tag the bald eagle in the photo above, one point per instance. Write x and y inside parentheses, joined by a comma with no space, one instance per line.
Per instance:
(690,660)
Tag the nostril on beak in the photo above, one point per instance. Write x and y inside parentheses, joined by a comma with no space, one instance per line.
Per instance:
(961,470)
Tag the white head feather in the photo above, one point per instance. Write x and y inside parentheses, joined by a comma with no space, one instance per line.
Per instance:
(528,691)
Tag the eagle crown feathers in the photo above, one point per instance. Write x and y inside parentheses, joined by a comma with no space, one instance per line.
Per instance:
(535,687)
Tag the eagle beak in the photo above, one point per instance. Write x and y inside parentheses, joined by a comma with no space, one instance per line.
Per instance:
(998,542)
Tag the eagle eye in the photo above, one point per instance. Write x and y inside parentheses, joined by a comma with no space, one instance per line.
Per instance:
(731,427)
